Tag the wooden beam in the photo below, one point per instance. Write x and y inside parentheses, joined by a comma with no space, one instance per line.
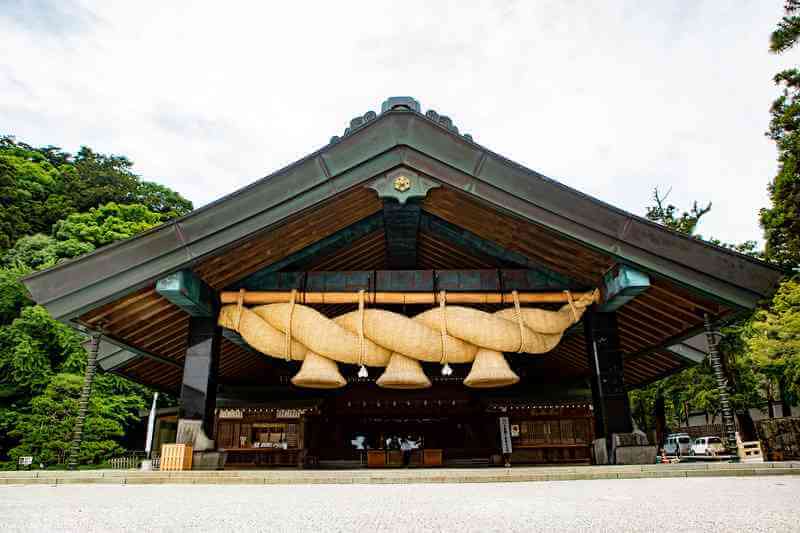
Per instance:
(493,280)
(468,240)
(260,297)
(692,350)
(322,248)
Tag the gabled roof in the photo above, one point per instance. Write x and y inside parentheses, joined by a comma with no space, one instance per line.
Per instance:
(375,144)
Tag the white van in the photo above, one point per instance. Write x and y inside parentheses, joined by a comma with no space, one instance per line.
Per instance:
(678,444)
(707,446)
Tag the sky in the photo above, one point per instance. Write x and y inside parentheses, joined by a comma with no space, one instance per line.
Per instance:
(612,98)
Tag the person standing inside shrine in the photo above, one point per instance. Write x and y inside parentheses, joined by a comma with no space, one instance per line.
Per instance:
(406,446)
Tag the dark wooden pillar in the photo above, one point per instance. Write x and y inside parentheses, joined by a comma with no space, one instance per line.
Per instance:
(611,407)
(199,386)
(401,224)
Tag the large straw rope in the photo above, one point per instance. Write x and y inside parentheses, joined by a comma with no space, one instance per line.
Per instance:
(290,330)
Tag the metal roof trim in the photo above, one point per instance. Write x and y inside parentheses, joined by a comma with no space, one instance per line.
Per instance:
(333,169)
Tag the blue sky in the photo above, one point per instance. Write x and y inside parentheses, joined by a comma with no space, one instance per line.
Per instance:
(612,98)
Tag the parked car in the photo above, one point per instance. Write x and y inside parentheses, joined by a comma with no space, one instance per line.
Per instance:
(707,446)
(678,444)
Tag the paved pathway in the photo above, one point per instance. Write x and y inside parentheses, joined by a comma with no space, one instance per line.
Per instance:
(687,504)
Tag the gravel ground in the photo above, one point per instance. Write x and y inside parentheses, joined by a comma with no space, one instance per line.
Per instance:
(690,504)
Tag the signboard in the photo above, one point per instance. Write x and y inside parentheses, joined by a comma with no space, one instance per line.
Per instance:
(505,434)
(290,413)
(25,460)
(230,413)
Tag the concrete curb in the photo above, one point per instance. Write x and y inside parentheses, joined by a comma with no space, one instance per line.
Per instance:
(448,475)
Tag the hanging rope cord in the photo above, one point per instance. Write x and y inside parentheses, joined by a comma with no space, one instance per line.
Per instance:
(518,316)
(571,303)
(288,348)
(362,346)
(443,318)
(239,305)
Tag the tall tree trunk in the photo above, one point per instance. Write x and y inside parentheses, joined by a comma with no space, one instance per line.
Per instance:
(83,401)
(747,428)
(643,410)
(661,420)
(770,401)
(786,407)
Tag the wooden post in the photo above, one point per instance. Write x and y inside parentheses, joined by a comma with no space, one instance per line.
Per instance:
(199,385)
(401,298)
(612,408)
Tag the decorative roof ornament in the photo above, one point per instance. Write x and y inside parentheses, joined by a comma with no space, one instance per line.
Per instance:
(394,102)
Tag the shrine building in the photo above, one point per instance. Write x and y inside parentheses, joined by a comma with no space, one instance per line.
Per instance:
(403,284)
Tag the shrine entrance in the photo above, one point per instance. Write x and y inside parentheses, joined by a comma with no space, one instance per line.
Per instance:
(441,426)
(421,289)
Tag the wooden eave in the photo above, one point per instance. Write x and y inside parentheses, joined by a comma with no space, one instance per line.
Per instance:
(558,227)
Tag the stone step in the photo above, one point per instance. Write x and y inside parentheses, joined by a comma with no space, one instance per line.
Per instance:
(416,475)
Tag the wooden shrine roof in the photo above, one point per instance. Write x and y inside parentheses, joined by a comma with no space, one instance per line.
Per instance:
(479,192)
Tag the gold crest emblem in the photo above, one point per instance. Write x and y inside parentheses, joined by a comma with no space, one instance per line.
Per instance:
(402,184)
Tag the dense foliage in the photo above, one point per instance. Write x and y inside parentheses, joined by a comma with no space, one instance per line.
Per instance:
(781,221)
(55,206)
(40,186)
(695,388)
(774,338)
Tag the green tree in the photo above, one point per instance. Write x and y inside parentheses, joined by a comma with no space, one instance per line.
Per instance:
(695,388)
(785,35)
(45,431)
(666,214)
(26,179)
(105,224)
(774,339)
(43,251)
(81,233)
(160,199)
(781,221)
(54,206)
(13,296)
(39,186)
(41,360)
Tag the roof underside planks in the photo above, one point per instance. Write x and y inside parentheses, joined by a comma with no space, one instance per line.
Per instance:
(665,311)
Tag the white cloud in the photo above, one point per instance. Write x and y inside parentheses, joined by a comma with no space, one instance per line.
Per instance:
(611,98)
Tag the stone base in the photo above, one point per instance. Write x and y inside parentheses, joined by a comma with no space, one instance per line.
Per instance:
(632,449)
(191,432)
(600,451)
(629,439)
(207,460)
(636,455)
